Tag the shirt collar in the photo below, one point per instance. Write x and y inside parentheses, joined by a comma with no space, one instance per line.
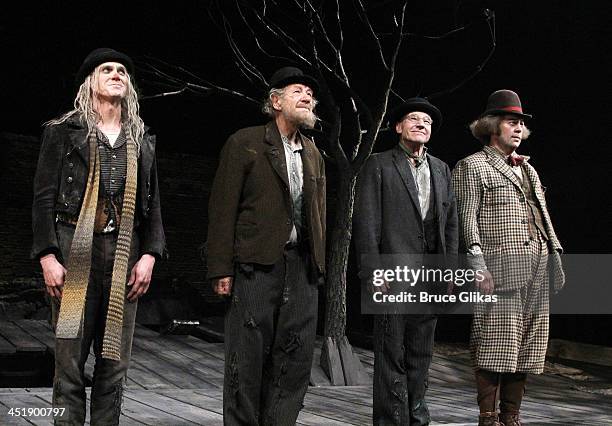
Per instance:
(411,154)
(419,160)
(293,148)
(121,139)
(501,155)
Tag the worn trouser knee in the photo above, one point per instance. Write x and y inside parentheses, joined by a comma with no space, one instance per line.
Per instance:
(270,333)
(69,381)
(71,354)
(107,391)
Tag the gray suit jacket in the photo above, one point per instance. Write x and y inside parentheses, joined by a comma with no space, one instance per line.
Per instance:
(387,217)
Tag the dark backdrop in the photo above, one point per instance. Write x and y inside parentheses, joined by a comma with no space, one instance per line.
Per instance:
(555,54)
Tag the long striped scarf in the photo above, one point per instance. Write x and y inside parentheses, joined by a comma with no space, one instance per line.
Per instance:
(70,319)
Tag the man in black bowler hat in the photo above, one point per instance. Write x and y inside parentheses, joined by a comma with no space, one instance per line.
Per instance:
(266,253)
(405,207)
(97,232)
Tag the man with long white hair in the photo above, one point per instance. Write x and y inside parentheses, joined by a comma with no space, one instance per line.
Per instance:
(97,232)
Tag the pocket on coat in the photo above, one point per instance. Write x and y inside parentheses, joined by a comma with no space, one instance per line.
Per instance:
(499,194)
(244,232)
(494,259)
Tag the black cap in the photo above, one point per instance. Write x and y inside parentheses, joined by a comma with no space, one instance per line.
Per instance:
(291,75)
(99,56)
(416,104)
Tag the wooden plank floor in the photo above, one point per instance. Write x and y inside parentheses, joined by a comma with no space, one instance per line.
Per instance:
(177,380)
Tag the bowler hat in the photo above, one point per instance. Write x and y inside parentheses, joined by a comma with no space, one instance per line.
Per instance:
(99,56)
(416,104)
(291,75)
(504,102)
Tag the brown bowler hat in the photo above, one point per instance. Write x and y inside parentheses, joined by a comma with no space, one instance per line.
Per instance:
(504,102)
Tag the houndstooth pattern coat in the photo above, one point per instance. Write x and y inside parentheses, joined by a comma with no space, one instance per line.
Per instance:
(512,334)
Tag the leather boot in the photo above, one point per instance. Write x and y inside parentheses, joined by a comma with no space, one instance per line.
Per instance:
(511,392)
(510,419)
(489,419)
(487,383)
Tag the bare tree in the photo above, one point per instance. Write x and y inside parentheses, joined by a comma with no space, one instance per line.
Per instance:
(337,41)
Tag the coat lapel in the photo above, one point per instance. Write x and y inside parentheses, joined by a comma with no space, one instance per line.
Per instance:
(439,184)
(276,153)
(308,165)
(78,140)
(537,189)
(403,168)
(498,163)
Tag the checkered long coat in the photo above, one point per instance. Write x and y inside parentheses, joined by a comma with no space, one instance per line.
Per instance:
(510,335)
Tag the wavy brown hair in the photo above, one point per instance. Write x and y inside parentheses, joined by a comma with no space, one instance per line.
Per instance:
(483,127)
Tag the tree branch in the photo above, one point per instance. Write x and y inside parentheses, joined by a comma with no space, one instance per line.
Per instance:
(247,68)
(490,17)
(363,17)
(256,38)
(205,88)
(282,36)
(370,140)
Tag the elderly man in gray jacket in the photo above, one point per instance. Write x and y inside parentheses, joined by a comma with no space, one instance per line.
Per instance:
(405,205)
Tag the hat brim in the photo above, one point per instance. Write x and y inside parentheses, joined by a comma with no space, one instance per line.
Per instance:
(109,56)
(505,112)
(398,113)
(306,80)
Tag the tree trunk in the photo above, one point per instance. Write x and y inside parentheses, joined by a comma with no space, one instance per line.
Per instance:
(335,312)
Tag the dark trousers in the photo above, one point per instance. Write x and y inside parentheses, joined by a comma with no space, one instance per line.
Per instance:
(71,354)
(270,330)
(403,347)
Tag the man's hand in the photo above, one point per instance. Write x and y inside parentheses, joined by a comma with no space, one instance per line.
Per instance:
(140,278)
(486,284)
(54,273)
(223,286)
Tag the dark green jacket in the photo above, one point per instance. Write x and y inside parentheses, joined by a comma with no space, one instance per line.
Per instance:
(250,210)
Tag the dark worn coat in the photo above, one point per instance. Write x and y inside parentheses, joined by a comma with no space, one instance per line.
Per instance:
(250,207)
(387,217)
(388,231)
(59,188)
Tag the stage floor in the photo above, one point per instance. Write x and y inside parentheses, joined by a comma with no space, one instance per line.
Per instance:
(177,380)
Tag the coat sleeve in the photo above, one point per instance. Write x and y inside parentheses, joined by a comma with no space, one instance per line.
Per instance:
(223,209)
(467,188)
(153,238)
(323,207)
(367,217)
(46,187)
(451,236)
